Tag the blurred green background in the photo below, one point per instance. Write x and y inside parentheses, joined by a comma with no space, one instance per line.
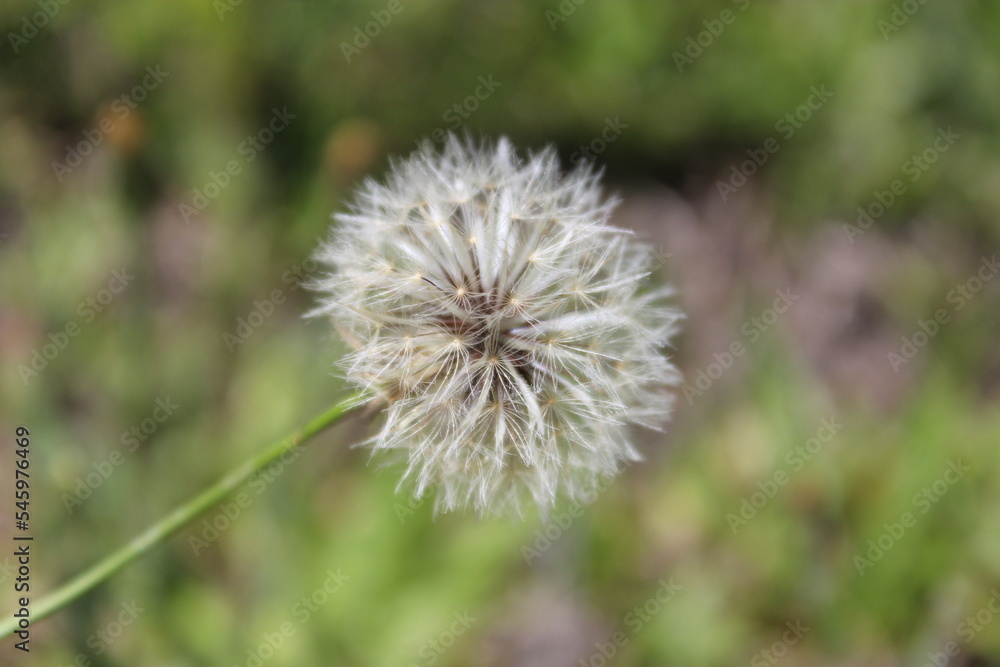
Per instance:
(197,149)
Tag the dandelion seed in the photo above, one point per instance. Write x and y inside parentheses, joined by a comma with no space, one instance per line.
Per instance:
(503,324)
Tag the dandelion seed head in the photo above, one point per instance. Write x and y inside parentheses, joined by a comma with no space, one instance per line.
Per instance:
(503,323)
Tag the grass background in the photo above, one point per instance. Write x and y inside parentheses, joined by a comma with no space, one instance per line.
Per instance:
(565,71)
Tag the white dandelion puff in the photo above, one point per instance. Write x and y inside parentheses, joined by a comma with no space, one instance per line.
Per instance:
(503,324)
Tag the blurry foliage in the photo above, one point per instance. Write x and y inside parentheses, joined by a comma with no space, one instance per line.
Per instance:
(560,81)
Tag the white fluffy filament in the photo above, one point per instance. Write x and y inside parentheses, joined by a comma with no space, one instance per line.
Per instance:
(502,321)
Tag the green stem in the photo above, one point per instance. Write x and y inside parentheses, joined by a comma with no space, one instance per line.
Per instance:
(157,533)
